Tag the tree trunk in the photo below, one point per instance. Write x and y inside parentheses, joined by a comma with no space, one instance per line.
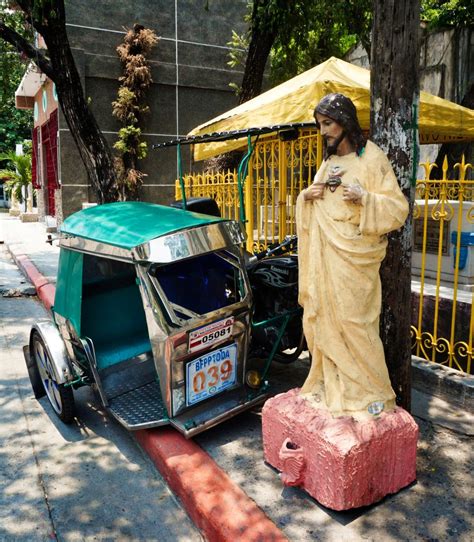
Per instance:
(49,19)
(93,148)
(394,104)
(261,42)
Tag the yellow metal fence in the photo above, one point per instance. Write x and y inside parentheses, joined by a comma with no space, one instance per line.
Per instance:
(442,300)
(443,268)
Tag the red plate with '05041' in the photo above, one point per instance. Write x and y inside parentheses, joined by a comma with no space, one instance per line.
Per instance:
(211,374)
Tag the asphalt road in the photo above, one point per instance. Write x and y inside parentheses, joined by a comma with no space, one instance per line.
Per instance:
(88,481)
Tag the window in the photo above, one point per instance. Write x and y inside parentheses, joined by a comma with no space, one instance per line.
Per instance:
(100,272)
(200,285)
(45,100)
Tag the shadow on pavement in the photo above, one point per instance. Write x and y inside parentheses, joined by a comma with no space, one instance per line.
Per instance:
(437,506)
(86,481)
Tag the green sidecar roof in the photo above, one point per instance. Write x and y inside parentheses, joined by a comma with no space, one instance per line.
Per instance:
(132,223)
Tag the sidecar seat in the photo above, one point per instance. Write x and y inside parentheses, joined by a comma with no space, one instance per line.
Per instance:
(115,321)
(114,318)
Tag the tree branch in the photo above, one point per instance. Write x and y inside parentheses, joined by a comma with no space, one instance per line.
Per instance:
(23,46)
(61,10)
(25,5)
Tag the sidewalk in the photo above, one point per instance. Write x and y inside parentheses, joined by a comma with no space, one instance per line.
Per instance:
(29,238)
(70,482)
(437,507)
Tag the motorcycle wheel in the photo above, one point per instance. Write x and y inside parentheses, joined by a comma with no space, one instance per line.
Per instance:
(290,356)
(60,397)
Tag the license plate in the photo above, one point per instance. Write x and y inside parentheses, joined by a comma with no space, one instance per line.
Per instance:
(211,334)
(211,374)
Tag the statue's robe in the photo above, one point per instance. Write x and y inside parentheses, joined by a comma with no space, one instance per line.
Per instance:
(340,247)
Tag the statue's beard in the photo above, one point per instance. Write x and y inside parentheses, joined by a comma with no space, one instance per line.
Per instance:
(332,149)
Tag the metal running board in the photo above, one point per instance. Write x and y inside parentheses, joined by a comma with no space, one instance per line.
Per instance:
(140,408)
(133,393)
(217,410)
(128,375)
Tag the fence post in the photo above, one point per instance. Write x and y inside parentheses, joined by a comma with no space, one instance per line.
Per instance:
(319,150)
(248,199)
(283,169)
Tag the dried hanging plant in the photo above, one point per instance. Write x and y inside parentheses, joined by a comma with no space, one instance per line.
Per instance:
(129,106)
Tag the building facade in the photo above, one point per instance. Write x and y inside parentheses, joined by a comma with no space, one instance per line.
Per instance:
(191,84)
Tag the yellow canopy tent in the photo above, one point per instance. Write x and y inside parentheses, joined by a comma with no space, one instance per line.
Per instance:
(293,102)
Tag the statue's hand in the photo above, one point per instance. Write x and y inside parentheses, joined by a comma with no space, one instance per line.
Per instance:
(315,191)
(353,193)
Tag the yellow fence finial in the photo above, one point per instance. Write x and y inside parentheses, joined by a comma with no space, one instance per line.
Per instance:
(428,167)
(445,167)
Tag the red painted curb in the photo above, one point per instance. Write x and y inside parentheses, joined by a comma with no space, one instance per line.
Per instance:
(46,294)
(216,505)
(44,289)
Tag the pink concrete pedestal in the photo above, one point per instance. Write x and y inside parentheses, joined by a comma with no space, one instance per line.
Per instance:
(341,462)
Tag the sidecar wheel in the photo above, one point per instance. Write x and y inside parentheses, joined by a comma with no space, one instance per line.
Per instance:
(60,397)
(33,373)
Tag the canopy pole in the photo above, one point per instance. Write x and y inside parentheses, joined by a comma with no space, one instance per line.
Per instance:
(242,173)
(180,175)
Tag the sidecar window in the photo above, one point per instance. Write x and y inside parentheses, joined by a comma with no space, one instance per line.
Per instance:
(201,285)
(98,271)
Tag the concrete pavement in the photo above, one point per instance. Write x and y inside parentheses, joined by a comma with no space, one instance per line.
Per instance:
(436,508)
(83,482)
(30,238)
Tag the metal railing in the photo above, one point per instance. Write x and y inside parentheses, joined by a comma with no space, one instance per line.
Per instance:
(278,171)
(221,186)
(442,292)
(442,315)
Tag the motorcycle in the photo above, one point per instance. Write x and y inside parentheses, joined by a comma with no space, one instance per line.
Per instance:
(273,275)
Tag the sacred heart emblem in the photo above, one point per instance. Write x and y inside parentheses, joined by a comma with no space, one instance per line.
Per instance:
(334,179)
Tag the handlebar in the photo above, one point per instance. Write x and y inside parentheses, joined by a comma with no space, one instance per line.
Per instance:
(276,249)
(289,244)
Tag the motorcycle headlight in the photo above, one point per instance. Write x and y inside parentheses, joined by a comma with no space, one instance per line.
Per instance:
(253,379)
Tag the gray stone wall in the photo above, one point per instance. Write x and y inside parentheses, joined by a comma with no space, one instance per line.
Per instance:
(446,62)
(358,56)
(447,69)
(189,70)
(40,203)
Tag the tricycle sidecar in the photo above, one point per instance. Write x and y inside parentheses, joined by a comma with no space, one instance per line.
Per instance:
(153,309)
